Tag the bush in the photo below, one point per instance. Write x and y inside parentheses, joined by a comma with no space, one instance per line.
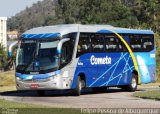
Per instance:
(6,62)
(157,40)
(3,58)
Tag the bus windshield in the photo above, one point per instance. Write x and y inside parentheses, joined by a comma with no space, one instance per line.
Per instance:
(36,55)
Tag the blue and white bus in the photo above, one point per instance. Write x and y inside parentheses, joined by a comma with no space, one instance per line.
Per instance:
(75,56)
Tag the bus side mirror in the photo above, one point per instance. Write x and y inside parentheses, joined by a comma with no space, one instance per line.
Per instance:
(11,48)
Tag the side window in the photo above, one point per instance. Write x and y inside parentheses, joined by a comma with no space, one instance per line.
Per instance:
(111,43)
(148,43)
(135,43)
(72,37)
(120,46)
(97,43)
(67,52)
(83,44)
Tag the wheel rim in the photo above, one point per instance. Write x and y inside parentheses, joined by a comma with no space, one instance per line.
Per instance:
(134,83)
(80,85)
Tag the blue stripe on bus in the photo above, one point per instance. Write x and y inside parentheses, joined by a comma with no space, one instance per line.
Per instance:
(47,35)
(37,76)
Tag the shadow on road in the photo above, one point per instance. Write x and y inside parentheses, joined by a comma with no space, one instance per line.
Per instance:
(59,93)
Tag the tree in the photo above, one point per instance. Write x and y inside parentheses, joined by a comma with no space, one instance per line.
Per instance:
(3,57)
(122,13)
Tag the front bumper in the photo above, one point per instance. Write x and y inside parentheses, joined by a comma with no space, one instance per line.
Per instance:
(53,83)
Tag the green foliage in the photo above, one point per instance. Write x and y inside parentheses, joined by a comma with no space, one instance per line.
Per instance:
(26,108)
(147,13)
(7,79)
(154,94)
(5,61)
(95,12)
(122,13)
(3,57)
(157,39)
(39,14)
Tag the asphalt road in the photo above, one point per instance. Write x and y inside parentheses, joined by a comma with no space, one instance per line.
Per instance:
(112,98)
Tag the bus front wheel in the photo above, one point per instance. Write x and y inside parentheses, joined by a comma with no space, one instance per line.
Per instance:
(77,90)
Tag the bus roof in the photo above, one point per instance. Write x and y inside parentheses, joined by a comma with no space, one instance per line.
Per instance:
(60,30)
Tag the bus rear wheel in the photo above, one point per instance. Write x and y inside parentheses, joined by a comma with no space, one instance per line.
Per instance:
(78,89)
(133,84)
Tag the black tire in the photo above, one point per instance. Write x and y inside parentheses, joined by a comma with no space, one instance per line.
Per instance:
(133,84)
(124,88)
(41,92)
(78,89)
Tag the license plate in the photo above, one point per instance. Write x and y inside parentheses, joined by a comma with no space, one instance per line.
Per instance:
(34,85)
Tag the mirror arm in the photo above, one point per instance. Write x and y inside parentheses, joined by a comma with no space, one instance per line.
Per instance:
(11,47)
(59,47)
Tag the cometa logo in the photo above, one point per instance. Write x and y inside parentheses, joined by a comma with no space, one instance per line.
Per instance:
(105,60)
